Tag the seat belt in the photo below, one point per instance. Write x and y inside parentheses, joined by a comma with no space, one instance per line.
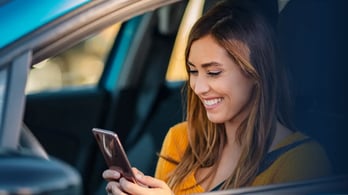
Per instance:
(271,157)
(275,154)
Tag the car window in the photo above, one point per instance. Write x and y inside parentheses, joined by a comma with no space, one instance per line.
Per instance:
(176,68)
(83,64)
(80,65)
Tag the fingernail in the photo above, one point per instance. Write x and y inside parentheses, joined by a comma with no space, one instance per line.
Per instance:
(123,181)
(138,176)
(116,174)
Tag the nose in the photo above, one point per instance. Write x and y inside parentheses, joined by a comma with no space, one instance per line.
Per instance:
(199,84)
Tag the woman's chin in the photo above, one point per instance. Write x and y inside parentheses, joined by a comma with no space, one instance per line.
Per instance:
(216,119)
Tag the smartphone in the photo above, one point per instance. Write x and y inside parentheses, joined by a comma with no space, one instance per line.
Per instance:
(114,153)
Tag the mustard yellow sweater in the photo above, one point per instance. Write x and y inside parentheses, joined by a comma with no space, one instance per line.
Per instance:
(306,161)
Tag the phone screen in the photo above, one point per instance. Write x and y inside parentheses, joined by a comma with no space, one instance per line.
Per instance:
(113,152)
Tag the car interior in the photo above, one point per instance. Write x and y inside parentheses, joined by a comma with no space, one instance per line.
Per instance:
(317,71)
(134,98)
(140,105)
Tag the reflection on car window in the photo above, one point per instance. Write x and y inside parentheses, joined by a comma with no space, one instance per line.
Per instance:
(78,66)
(3,79)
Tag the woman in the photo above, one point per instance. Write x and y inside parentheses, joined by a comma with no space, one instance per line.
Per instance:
(237,133)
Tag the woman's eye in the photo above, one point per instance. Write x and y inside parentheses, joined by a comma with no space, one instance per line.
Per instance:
(193,71)
(214,73)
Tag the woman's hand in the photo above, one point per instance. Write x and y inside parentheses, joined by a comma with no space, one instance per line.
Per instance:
(147,185)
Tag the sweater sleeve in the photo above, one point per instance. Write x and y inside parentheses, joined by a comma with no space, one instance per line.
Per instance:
(173,147)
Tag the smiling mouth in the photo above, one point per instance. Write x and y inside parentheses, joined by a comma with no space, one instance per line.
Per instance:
(212,102)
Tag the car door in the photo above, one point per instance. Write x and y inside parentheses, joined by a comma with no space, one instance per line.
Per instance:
(62,118)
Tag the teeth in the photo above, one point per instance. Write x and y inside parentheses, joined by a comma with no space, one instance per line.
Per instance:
(212,102)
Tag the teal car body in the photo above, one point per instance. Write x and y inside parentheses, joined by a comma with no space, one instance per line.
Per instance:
(20,17)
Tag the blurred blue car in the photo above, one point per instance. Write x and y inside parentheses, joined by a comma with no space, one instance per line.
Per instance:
(71,65)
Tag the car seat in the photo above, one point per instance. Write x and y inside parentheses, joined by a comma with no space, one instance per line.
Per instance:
(312,45)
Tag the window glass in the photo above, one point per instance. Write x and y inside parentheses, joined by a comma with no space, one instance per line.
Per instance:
(176,69)
(80,65)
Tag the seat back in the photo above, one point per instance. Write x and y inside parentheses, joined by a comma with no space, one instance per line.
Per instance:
(312,45)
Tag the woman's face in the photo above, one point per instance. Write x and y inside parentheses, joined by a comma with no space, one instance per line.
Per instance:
(218,81)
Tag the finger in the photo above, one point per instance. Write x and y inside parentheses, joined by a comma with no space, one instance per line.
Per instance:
(111,175)
(114,188)
(130,187)
(152,182)
(137,171)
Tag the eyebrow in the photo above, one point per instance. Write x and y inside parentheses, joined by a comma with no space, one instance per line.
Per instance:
(205,65)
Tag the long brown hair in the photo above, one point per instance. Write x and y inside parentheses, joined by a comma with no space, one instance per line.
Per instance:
(230,22)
